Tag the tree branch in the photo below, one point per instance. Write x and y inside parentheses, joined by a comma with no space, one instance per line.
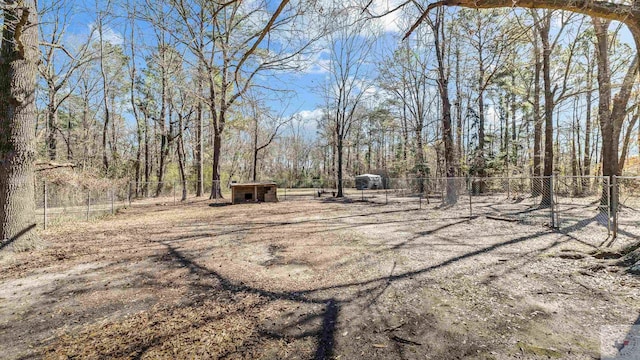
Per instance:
(58,46)
(263,34)
(603,9)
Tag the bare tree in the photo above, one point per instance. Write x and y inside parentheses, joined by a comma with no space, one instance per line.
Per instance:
(611,111)
(265,126)
(348,83)
(133,74)
(184,112)
(441,47)
(56,73)
(406,75)
(231,56)
(19,57)
(105,84)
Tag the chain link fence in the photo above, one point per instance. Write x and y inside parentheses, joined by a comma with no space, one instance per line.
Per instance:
(60,203)
(581,206)
(627,219)
(525,199)
(174,192)
(575,205)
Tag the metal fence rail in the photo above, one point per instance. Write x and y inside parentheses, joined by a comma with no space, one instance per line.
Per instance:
(577,205)
(59,203)
(627,217)
(583,204)
(570,204)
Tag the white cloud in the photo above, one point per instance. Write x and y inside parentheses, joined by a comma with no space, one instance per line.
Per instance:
(108,35)
(306,122)
(391,22)
(310,116)
(319,63)
(314,62)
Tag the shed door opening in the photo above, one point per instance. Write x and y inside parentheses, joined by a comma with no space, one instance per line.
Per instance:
(248,196)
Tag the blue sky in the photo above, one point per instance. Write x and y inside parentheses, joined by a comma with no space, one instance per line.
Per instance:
(304,84)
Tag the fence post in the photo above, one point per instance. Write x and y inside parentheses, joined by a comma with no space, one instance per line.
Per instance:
(129,194)
(113,209)
(613,204)
(174,193)
(386,197)
(469,190)
(88,202)
(609,185)
(554,215)
(45,204)
(420,201)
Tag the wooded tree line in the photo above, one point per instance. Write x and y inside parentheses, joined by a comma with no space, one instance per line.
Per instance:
(182,90)
(496,92)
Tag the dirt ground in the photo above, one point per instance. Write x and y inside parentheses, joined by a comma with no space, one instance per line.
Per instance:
(307,279)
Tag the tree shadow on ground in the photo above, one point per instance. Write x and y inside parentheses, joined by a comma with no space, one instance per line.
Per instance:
(219,204)
(325,337)
(331,299)
(23,232)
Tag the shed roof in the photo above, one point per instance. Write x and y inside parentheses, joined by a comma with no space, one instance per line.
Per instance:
(254,184)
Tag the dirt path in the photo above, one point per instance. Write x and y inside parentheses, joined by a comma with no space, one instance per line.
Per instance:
(308,279)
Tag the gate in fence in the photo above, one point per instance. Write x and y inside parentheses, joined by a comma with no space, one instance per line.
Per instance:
(626,199)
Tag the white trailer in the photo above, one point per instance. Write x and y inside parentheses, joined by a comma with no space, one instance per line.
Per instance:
(368,182)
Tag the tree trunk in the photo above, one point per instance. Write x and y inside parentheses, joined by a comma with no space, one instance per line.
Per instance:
(164,136)
(370,145)
(181,157)
(255,149)
(334,159)
(627,141)
(405,135)
(339,146)
(147,158)
(574,156)
(134,108)
(19,57)
(537,125)
(215,176)
(114,134)
(105,101)
(609,148)
(443,88)
(52,114)
(138,173)
(459,152)
(199,144)
(419,159)
(586,164)
(199,126)
(69,138)
(514,135)
(480,185)
(86,130)
(548,110)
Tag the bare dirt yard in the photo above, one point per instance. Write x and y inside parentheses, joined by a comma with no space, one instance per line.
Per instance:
(309,279)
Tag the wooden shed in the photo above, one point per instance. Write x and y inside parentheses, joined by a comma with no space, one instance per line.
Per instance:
(254,192)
